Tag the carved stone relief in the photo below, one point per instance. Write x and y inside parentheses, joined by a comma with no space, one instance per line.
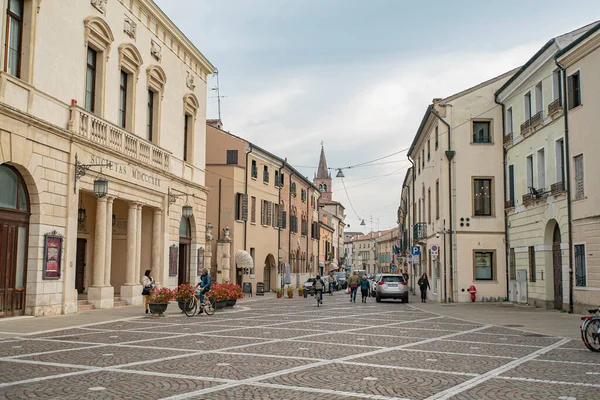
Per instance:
(189,81)
(99,5)
(156,50)
(130,27)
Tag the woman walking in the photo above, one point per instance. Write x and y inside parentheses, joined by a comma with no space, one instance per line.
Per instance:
(148,284)
(364,288)
(424,285)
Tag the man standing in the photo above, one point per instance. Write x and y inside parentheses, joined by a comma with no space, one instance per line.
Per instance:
(204,285)
(331,282)
(353,282)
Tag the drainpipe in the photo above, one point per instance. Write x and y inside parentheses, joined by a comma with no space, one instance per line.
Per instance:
(279,266)
(219,219)
(246,193)
(449,155)
(506,237)
(568,182)
(290,225)
(411,234)
(307,238)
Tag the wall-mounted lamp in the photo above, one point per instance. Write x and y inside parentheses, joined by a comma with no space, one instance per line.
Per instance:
(187,210)
(100,184)
(81,213)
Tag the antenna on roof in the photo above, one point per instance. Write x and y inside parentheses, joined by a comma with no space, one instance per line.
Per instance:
(216,89)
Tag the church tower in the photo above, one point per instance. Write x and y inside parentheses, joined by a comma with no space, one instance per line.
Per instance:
(323,178)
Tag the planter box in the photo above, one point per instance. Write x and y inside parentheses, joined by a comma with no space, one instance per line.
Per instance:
(157,309)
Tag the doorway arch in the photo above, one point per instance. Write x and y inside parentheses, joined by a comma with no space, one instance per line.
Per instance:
(269,271)
(185,244)
(557,267)
(14,231)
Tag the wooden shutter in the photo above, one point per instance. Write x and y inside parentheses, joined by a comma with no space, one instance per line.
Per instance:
(253,211)
(284,219)
(244,207)
(579,188)
(262,212)
(269,213)
(280,221)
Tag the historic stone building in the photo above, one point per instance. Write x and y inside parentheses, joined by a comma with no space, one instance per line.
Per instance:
(102,153)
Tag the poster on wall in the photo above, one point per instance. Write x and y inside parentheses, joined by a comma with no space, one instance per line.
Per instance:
(52,255)
(200,260)
(173,260)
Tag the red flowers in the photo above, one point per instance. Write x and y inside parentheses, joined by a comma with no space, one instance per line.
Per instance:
(184,292)
(161,296)
(226,291)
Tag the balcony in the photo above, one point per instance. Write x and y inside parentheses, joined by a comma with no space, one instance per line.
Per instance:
(557,188)
(509,204)
(537,119)
(105,134)
(527,199)
(525,127)
(420,231)
(508,139)
(555,108)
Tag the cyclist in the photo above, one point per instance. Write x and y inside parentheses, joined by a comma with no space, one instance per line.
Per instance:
(319,285)
(204,285)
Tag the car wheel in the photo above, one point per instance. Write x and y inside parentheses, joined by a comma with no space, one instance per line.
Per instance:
(378,299)
(405,299)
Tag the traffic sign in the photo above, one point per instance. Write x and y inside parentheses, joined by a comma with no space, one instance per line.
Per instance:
(393,267)
(434,248)
(416,250)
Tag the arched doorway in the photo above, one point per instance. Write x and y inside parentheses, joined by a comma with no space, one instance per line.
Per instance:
(269,265)
(557,264)
(185,244)
(14,227)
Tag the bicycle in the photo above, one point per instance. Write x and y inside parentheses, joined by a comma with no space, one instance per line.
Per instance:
(590,330)
(319,297)
(194,304)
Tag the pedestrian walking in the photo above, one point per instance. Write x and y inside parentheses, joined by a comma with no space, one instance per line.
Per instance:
(424,285)
(364,288)
(331,283)
(147,286)
(353,283)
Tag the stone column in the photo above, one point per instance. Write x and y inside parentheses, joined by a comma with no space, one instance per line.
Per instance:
(131,292)
(156,243)
(109,230)
(98,295)
(138,245)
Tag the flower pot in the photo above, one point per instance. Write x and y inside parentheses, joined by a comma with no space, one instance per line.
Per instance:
(231,302)
(183,305)
(290,295)
(220,304)
(278,295)
(157,308)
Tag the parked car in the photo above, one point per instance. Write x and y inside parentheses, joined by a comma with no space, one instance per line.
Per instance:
(391,286)
(310,289)
(373,284)
(341,280)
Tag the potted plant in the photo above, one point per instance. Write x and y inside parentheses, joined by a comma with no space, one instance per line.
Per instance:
(300,291)
(159,299)
(183,294)
(233,292)
(290,292)
(278,292)
(220,295)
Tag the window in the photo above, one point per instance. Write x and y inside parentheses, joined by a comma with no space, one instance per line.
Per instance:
(484,265)
(253,210)
(123,100)
(423,158)
(429,205)
(276,178)
(266,212)
(508,127)
(232,157)
(150,116)
(275,220)
(482,190)
(303,196)
(437,199)
(580,270)
(511,184)
(541,169)
(539,98)
(481,132)
(293,189)
(241,212)
(557,85)
(266,174)
(281,181)
(14,37)
(187,126)
(528,106)
(560,161)
(437,137)
(512,265)
(532,272)
(90,80)
(579,188)
(574,90)
(428,149)
(529,172)
(254,170)
(419,165)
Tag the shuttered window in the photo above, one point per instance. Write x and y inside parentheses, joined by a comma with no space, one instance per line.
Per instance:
(269,213)
(574,90)
(532,268)
(232,157)
(579,187)
(580,269)
(253,211)
(283,219)
(241,213)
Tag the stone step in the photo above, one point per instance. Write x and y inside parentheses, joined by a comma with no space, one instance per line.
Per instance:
(120,303)
(82,302)
(84,307)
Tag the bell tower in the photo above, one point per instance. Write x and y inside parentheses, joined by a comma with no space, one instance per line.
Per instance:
(323,177)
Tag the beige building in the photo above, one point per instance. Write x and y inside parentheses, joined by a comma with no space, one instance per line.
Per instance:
(582,61)
(536,201)
(113,94)
(364,254)
(386,242)
(456,201)
(263,209)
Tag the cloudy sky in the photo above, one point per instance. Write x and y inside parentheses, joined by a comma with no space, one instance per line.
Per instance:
(358,75)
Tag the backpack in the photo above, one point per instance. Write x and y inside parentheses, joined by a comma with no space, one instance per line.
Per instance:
(319,284)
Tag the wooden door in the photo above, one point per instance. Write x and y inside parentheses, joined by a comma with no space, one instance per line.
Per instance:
(184,263)
(557,265)
(9,301)
(80,265)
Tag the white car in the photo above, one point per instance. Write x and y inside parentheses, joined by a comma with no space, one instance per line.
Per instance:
(373,284)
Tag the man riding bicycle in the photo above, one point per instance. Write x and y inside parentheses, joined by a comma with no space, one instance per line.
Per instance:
(204,285)
(319,285)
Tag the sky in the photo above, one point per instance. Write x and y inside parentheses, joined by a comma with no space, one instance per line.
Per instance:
(358,75)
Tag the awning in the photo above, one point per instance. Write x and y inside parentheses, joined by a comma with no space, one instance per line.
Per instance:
(333,267)
(321,264)
(243,259)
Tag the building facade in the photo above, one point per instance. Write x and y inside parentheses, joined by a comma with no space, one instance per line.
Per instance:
(536,202)
(387,242)
(126,107)
(456,202)
(581,59)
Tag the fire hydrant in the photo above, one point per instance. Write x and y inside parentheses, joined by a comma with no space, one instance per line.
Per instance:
(472,290)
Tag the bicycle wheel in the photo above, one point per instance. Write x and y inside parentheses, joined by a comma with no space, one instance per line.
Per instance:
(190,307)
(209,307)
(591,335)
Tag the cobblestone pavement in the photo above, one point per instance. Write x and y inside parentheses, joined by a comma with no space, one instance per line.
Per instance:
(290,349)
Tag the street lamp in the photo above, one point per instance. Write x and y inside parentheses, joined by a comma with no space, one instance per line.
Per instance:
(187,210)
(340,174)
(100,184)
(81,213)
(100,187)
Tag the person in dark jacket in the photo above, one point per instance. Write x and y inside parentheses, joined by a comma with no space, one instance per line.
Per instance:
(364,288)
(424,285)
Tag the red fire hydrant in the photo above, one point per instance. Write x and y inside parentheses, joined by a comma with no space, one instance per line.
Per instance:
(472,290)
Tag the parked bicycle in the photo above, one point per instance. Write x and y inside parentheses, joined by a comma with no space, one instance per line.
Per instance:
(193,305)
(590,329)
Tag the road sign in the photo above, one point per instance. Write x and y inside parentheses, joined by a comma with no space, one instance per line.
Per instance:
(393,267)
(434,248)
(416,251)
(415,259)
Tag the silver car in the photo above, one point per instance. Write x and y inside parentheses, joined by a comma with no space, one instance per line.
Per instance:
(391,286)
(373,284)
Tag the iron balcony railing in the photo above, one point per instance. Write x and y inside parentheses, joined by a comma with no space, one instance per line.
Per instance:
(420,231)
